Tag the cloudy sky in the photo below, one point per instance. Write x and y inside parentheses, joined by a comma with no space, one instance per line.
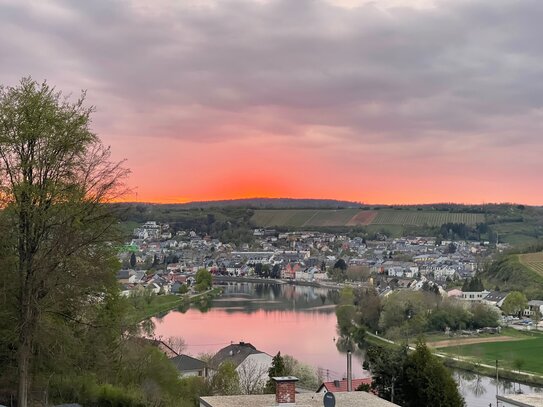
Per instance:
(381,101)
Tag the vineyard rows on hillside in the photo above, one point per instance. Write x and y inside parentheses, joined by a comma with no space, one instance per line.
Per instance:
(357,217)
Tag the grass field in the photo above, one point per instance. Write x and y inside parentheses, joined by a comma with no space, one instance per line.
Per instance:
(357,217)
(533,261)
(525,354)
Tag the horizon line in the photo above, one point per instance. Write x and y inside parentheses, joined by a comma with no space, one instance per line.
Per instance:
(327,199)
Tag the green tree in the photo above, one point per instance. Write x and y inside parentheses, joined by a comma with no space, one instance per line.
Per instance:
(484,316)
(54,176)
(277,369)
(226,380)
(428,382)
(203,280)
(515,303)
(406,312)
(307,376)
(346,312)
(132,260)
(387,371)
(276,271)
(369,307)
(341,265)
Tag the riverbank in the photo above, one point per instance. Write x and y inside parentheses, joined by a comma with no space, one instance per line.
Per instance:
(151,306)
(233,279)
(316,284)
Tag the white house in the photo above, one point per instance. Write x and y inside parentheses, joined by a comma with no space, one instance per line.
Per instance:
(533,306)
(251,364)
(474,295)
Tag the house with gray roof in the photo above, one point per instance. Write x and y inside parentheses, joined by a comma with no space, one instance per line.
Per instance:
(495,298)
(251,364)
(189,366)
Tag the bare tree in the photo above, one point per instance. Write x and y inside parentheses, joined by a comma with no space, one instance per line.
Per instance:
(177,344)
(55,176)
(252,376)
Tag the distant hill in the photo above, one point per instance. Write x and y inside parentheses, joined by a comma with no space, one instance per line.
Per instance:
(512,223)
(271,203)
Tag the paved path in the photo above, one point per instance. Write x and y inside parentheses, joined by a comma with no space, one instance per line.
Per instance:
(468,341)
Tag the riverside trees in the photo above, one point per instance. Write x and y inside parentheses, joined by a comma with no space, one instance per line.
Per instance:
(55,176)
(412,379)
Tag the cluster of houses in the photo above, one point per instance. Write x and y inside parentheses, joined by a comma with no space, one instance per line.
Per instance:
(174,256)
(496,299)
(162,261)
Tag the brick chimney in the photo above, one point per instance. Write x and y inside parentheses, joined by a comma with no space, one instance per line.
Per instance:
(285,390)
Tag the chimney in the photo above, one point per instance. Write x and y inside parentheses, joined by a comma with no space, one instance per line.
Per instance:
(285,390)
(349,371)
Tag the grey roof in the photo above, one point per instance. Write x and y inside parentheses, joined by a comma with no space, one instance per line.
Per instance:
(185,363)
(535,303)
(123,274)
(235,353)
(495,296)
(351,399)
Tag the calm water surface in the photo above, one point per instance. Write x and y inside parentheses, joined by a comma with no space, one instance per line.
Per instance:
(295,320)
(298,321)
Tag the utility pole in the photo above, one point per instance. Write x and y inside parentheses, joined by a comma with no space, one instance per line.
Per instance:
(497,383)
(349,371)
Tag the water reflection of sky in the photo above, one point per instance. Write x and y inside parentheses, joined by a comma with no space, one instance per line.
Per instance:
(299,321)
(294,320)
(308,336)
(480,391)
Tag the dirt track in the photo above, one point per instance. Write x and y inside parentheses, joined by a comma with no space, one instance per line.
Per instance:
(469,341)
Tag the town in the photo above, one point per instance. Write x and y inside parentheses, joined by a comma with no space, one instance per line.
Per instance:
(162,260)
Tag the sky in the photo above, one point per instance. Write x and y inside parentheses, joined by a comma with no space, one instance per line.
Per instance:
(381,101)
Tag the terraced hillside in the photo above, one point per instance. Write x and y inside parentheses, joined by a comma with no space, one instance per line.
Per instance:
(533,261)
(357,217)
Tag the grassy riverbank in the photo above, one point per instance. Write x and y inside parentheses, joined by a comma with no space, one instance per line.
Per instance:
(142,308)
(523,352)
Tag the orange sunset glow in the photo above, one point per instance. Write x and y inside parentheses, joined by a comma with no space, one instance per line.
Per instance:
(390,101)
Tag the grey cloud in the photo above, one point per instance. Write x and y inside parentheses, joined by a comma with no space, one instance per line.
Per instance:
(464,68)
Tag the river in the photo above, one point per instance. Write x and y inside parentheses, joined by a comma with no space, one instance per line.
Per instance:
(295,320)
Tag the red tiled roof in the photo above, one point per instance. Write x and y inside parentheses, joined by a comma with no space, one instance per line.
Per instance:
(331,386)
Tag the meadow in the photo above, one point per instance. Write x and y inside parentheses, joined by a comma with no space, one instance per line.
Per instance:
(525,354)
